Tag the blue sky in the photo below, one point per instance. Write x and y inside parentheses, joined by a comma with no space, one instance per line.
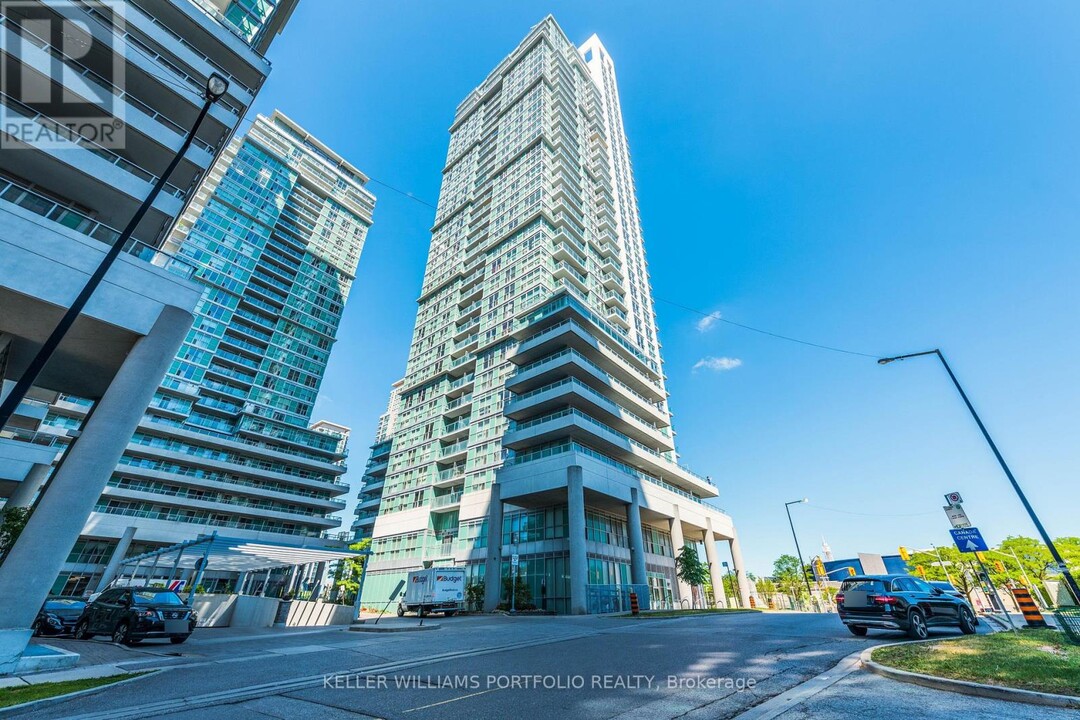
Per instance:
(880,177)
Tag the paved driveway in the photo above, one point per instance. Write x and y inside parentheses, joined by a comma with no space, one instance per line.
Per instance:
(495,667)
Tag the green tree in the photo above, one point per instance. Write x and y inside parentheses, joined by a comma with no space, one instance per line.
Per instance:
(766,588)
(347,574)
(474,595)
(12,522)
(955,567)
(690,569)
(787,577)
(1037,560)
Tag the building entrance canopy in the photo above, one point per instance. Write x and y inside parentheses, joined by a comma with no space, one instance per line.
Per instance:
(213,552)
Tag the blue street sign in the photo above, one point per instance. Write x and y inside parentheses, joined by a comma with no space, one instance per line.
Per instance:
(968,539)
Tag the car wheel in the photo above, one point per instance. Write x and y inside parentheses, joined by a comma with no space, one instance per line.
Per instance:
(400,611)
(967,621)
(858,630)
(449,613)
(122,635)
(917,625)
(82,631)
(178,640)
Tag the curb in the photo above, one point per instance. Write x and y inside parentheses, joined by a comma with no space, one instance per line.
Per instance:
(966,687)
(57,699)
(649,616)
(391,628)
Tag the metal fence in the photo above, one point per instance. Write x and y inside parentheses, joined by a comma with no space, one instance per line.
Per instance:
(1068,619)
(616,598)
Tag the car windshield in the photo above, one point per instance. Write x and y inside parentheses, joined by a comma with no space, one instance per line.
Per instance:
(64,604)
(152,597)
(867,584)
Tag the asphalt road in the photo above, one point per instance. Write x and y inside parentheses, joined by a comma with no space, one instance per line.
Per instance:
(496,667)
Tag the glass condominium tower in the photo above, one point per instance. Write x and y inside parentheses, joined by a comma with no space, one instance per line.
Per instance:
(274,233)
(533,422)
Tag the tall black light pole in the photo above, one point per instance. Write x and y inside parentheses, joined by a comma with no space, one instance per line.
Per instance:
(216,86)
(802,565)
(1069,580)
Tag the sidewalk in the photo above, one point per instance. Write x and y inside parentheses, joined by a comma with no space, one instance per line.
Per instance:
(100,657)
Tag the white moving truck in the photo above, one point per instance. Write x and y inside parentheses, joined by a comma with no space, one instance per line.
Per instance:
(433,590)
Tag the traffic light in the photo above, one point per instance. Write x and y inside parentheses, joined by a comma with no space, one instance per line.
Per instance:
(850,570)
(819,569)
(999,566)
(904,554)
(981,556)
(921,571)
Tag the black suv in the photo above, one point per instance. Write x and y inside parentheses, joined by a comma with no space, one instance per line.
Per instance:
(900,602)
(131,614)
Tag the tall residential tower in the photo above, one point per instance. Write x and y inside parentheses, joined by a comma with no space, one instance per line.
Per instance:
(274,234)
(534,423)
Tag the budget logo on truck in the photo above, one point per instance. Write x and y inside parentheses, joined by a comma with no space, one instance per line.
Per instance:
(449,578)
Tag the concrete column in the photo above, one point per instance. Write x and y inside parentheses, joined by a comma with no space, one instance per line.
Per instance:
(317,582)
(740,570)
(677,543)
(493,569)
(266,583)
(28,489)
(30,569)
(716,575)
(637,541)
(117,557)
(579,561)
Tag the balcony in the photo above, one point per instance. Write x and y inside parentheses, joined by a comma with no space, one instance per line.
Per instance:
(455,430)
(575,425)
(571,391)
(449,478)
(455,452)
(458,406)
(444,503)
(20,195)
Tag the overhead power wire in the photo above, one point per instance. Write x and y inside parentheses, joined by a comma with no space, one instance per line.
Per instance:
(719,318)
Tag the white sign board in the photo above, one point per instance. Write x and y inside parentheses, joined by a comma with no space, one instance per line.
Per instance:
(957,516)
(514,560)
(954,498)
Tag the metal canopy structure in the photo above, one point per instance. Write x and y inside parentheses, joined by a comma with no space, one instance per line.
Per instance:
(213,552)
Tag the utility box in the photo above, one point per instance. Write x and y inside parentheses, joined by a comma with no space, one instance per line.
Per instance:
(433,590)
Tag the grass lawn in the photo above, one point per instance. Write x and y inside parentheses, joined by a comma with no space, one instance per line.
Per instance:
(648,615)
(1039,660)
(26,693)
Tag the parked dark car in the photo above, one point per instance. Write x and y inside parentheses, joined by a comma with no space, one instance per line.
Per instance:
(58,616)
(132,614)
(951,589)
(900,602)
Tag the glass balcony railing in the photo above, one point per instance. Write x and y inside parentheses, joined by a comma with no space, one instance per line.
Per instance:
(27,199)
(585,450)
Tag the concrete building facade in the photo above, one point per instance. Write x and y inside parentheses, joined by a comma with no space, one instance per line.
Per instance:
(371,489)
(534,424)
(65,193)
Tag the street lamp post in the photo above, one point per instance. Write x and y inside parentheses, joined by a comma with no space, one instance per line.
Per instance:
(216,86)
(802,565)
(1069,580)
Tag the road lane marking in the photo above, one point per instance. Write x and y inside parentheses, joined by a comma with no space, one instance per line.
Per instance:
(444,702)
(164,707)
